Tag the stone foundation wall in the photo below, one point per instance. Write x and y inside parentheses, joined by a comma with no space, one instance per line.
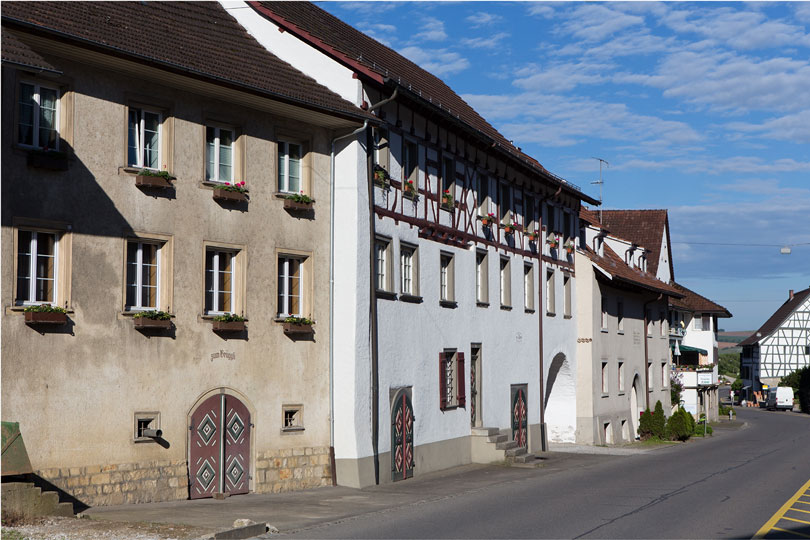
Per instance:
(146,481)
(292,469)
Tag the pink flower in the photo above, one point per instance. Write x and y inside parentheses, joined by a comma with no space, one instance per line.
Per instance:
(243,182)
(227,183)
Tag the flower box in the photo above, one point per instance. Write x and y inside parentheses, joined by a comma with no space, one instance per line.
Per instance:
(158,324)
(290,204)
(509,229)
(45,317)
(54,161)
(229,326)
(297,328)
(227,195)
(152,181)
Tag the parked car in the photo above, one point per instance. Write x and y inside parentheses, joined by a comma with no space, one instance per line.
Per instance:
(780,398)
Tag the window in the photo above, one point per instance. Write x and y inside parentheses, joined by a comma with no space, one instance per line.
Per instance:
(382,264)
(451,379)
(289,167)
(650,322)
(697,322)
(620,315)
(707,322)
(446,278)
(381,148)
(506,283)
(483,195)
(605,378)
(219,163)
(664,375)
(567,296)
(37,267)
(38,121)
(621,376)
(551,222)
(292,418)
(529,219)
(410,161)
(550,301)
(142,276)
(504,203)
(147,426)
(143,138)
(481,277)
(650,377)
(409,270)
(448,175)
(219,281)
(528,287)
(566,217)
(661,319)
(290,286)
(604,321)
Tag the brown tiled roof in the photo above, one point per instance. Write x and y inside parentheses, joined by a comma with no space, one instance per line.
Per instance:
(777,318)
(643,227)
(620,271)
(198,39)
(696,303)
(17,52)
(373,59)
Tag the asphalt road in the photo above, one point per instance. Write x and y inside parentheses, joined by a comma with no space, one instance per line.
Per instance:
(726,486)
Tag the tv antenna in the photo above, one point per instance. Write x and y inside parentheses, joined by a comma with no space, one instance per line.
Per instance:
(600,182)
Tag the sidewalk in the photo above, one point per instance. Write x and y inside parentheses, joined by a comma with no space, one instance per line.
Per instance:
(303,509)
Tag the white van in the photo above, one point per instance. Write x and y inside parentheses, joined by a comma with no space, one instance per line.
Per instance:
(780,398)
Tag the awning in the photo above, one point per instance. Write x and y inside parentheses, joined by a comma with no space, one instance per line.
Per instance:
(687,348)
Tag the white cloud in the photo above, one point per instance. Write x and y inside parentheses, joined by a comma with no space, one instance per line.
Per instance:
(365,6)
(485,42)
(802,11)
(384,33)
(795,128)
(595,22)
(542,9)
(482,18)
(716,166)
(432,30)
(439,62)
(560,77)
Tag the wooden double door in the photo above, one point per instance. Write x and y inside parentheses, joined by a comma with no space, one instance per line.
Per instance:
(219,447)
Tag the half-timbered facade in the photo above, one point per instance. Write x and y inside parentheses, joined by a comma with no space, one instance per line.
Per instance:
(459,247)
(780,347)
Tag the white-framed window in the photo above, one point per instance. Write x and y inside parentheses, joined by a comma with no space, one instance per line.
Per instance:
(664,375)
(698,322)
(605,378)
(446,278)
(707,323)
(290,286)
(620,315)
(37,267)
(38,121)
(604,321)
(506,282)
(219,154)
(567,307)
(143,138)
(550,300)
(382,264)
(143,276)
(481,277)
(621,376)
(528,287)
(409,270)
(219,281)
(289,167)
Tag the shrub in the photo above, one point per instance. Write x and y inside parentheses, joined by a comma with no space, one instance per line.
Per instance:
(675,388)
(152,314)
(659,421)
(677,427)
(645,425)
(737,386)
(45,308)
(725,410)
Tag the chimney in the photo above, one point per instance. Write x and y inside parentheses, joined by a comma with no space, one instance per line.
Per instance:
(790,294)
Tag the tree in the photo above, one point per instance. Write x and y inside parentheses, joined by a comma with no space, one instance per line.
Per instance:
(675,388)
(659,421)
(645,425)
(737,386)
(678,427)
(729,364)
(792,380)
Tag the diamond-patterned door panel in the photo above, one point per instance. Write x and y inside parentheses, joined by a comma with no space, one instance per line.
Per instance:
(235,427)
(237,446)
(207,429)
(204,467)
(402,458)
(206,475)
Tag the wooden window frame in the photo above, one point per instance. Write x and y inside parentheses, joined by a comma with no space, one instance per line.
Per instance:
(283,257)
(238,278)
(62,264)
(36,114)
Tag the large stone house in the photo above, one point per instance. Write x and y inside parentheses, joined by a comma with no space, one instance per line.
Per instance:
(454,270)
(623,357)
(780,346)
(110,409)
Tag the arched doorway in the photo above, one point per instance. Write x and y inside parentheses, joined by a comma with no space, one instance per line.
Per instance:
(219,447)
(402,458)
(561,410)
(634,406)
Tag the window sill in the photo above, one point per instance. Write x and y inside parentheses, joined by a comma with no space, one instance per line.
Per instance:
(449,408)
(528,310)
(21,309)
(482,304)
(605,395)
(506,308)
(604,330)
(386,295)
(448,304)
(550,314)
(410,298)
(620,332)
(568,317)
(291,430)
(621,393)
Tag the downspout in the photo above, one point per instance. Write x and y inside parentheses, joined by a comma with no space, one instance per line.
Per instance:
(646,352)
(375,373)
(541,283)
(332,299)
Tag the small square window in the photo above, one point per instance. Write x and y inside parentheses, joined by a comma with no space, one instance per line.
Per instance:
(147,426)
(292,418)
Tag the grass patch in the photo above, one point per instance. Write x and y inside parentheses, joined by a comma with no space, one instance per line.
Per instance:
(655,441)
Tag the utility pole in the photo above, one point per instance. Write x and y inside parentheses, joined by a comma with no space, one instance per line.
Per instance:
(600,182)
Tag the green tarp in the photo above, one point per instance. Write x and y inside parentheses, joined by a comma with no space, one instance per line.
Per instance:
(15,457)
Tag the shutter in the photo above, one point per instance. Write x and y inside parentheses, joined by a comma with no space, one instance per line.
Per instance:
(442,383)
(462,397)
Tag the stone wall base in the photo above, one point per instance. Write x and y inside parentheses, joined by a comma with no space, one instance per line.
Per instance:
(292,469)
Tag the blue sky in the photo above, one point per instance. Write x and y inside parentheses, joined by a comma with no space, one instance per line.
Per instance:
(700,108)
